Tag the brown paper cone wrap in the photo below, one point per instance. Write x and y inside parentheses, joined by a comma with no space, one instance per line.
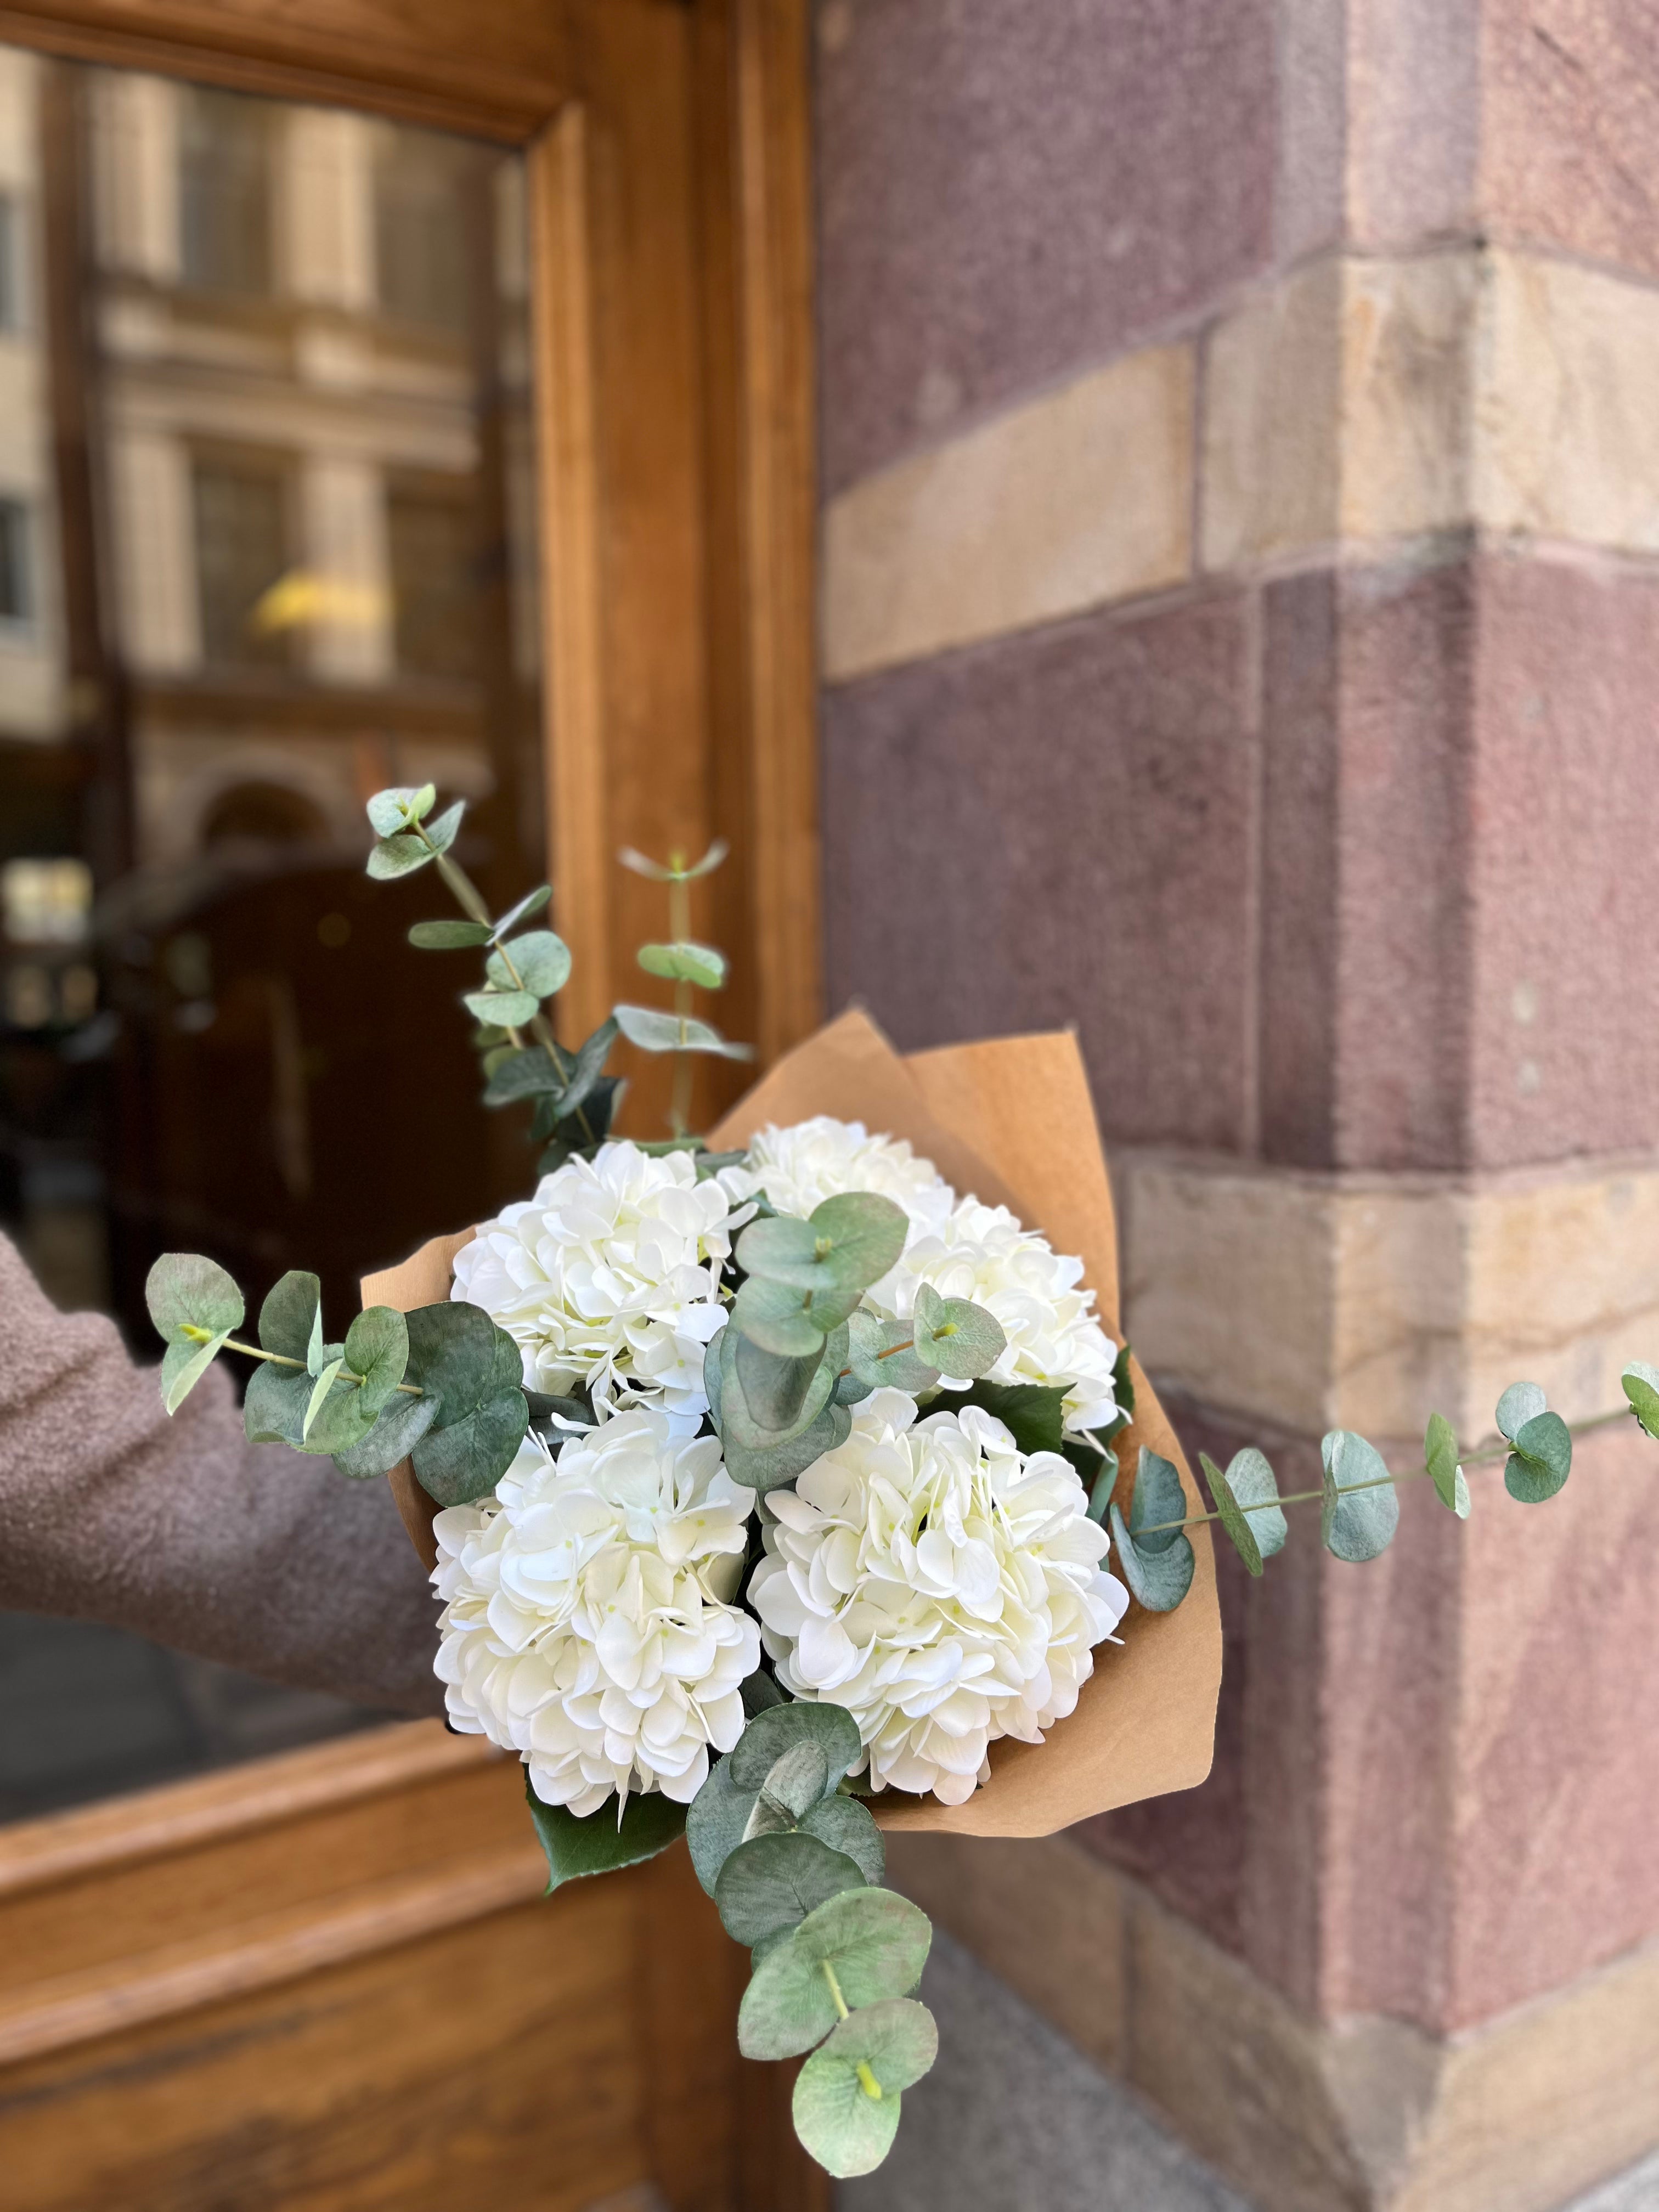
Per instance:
(1013,1121)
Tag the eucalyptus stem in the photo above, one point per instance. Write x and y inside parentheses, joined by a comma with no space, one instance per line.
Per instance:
(470,901)
(679,929)
(1488,1456)
(282,1359)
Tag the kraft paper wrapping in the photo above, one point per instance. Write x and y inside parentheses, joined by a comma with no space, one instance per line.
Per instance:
(1010,1120)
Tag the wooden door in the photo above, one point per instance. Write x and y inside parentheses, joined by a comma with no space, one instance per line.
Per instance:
(326,1980)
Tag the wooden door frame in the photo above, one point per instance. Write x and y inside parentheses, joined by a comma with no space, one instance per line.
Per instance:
(517,71)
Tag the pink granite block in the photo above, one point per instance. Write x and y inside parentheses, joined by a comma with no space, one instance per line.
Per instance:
(1570,102)
(1007,194)
(1055,828)
(1563,871)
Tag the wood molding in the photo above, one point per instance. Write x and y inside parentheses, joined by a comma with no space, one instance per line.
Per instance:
(496,68)
(581,860)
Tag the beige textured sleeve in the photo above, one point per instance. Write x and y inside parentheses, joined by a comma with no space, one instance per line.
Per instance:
(182,1531)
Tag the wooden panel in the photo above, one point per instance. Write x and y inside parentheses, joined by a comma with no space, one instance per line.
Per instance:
(329,1982)
(495,67)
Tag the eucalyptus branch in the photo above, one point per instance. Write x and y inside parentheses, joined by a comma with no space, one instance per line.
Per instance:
(281,1358)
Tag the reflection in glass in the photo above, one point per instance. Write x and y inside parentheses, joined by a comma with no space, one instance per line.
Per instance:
(266,545)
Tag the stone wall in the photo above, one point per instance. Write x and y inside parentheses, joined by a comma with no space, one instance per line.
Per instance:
(1241,460)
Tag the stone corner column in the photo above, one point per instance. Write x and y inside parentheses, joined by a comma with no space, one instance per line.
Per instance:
(1240,615)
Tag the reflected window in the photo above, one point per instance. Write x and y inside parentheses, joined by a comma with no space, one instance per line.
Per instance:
(430,534)
(421,184)
(224,191)
(17,576)
(242,540)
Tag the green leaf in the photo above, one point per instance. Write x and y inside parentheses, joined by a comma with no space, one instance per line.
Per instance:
(184,1290)
(393,809)
(1105,1485)
(457,1353)
(531,902)
(1355,1524)
(774,1881)
(403,1421)
(183,1365)
(685,963)
(397,856)
(542,962)
(1641,1384)
(797,1779)
(653,1031)
(505,1010)
(1032,1413)
(1541,1460)
(274,1410)
(875,1941)
(881,1356)
(1251,1481)
(848,2098)
(442,831)
(770,1733)
(587,1078)
(782,1320)
(781,1463)
(377,1349)
(1236,1524)
(781,1248)
(762,1400)
(448,936)
(858,1236)
(1517,1406)
(316,1355)
(320,1391)
(1159,1580)
(717,1822)
(528,1073)
(959,1338)
(463,1460)
(289,1314)
(1440,1458)
(643,866)
(599,1844)
(849,1827)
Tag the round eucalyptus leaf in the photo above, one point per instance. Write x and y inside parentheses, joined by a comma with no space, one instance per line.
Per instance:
(716,1822)
(1641,1384)
(397,856)
(847,2096)
(782,1463)
(288,1314)
(882,1355)
(848,1826)
(442,831)
(1517,1406)
(319,1390)
(401,1423)
(957,1337)
(1440,1457)
(528,1073)
(779,1318)
(1236,1524)
(531,902)
(541,960)
(183,1365)
(465,1459)
(1158,1500)
(505,1010)
(798,1778)
(394,809)
(781,1728)
(685,963)
(865,1234)
(1356,1523)
(766,1400)
(184,1290)
(774,1881)
(377,1349)
(783,1250)
(1159,1580)
(274,1410)
(875,1943)
(1251,1480)
(653,1031)
(448,936)
(1541,1460)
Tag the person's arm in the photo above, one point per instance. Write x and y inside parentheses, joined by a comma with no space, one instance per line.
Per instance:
(181,1530)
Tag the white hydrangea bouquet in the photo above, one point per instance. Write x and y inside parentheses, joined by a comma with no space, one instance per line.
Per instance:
(773,1484)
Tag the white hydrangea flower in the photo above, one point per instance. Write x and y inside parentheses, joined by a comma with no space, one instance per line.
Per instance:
(588,1620)
(983,1253)
(609,1276)
(797,1167)
(943,1587)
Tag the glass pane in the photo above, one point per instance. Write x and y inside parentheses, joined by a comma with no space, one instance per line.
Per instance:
(266,545)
